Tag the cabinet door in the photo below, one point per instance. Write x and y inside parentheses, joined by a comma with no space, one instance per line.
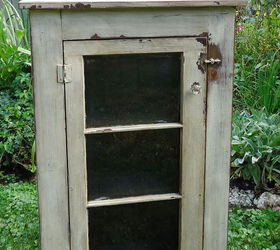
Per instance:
(136,112)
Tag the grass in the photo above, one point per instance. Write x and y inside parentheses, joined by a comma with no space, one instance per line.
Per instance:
(248,228)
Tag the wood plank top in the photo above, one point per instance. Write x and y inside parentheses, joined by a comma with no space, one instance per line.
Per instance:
(103,4)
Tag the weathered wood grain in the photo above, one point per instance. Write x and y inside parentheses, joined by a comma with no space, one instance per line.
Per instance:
(132,128)
(132,200)
(88,4)
(193,115)
(50,130)
(219,106)
(137,23)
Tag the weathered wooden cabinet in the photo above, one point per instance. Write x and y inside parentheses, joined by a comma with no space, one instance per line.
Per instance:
(133,122)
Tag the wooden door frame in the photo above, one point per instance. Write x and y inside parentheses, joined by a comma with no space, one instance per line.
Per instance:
(192,131)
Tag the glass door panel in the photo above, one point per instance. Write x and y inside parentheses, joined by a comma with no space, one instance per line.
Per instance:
(140,226)
(133,163)
(132,89)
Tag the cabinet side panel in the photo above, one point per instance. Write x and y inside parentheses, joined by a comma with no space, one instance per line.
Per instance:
(50,129)
(218,144)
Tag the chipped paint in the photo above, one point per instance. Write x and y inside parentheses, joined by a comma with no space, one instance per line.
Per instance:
(203,34)
(34,7)
(98,37)
(107,130)
(200,62)
(95,36)
(77,6)
(81,6)
(202,40)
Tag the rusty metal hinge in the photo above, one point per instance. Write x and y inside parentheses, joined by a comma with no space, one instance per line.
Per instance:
(64,73)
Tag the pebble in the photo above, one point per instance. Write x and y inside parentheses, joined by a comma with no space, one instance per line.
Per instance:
(248,199)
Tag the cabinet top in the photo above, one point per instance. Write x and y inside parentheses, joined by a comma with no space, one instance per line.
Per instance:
(102,4)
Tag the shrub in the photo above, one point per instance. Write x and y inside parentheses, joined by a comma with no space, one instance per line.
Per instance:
(257,60)
(19,224)
(256,147)
(16,114)
(254,229)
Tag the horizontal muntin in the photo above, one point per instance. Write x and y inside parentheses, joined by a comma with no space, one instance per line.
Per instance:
(128,128)
(134,199)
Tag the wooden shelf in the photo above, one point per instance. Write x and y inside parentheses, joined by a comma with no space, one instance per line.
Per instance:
(141,127)
(135,199)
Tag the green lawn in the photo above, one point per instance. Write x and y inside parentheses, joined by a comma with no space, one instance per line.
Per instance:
(248,228)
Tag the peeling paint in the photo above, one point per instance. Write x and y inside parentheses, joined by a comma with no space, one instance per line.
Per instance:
(203,34)
(107,130)
(202,40)
(200,62)
(97,37)
(34,7)
(81,6)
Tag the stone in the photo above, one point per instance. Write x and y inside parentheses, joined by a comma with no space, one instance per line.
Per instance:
(267,200)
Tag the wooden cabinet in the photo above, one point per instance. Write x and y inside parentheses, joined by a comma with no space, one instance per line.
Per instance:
(133,122)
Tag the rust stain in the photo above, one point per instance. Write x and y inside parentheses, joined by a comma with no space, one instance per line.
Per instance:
(212,74)
(212,70)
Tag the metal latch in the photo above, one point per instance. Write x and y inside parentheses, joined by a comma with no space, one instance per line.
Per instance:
(212,61)
(203,61)
(64,73)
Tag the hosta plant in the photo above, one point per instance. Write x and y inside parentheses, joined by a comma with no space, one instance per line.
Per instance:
(256,147)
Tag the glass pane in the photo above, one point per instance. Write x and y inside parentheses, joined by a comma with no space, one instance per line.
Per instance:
(133,163)
(132,89)
(142,226)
